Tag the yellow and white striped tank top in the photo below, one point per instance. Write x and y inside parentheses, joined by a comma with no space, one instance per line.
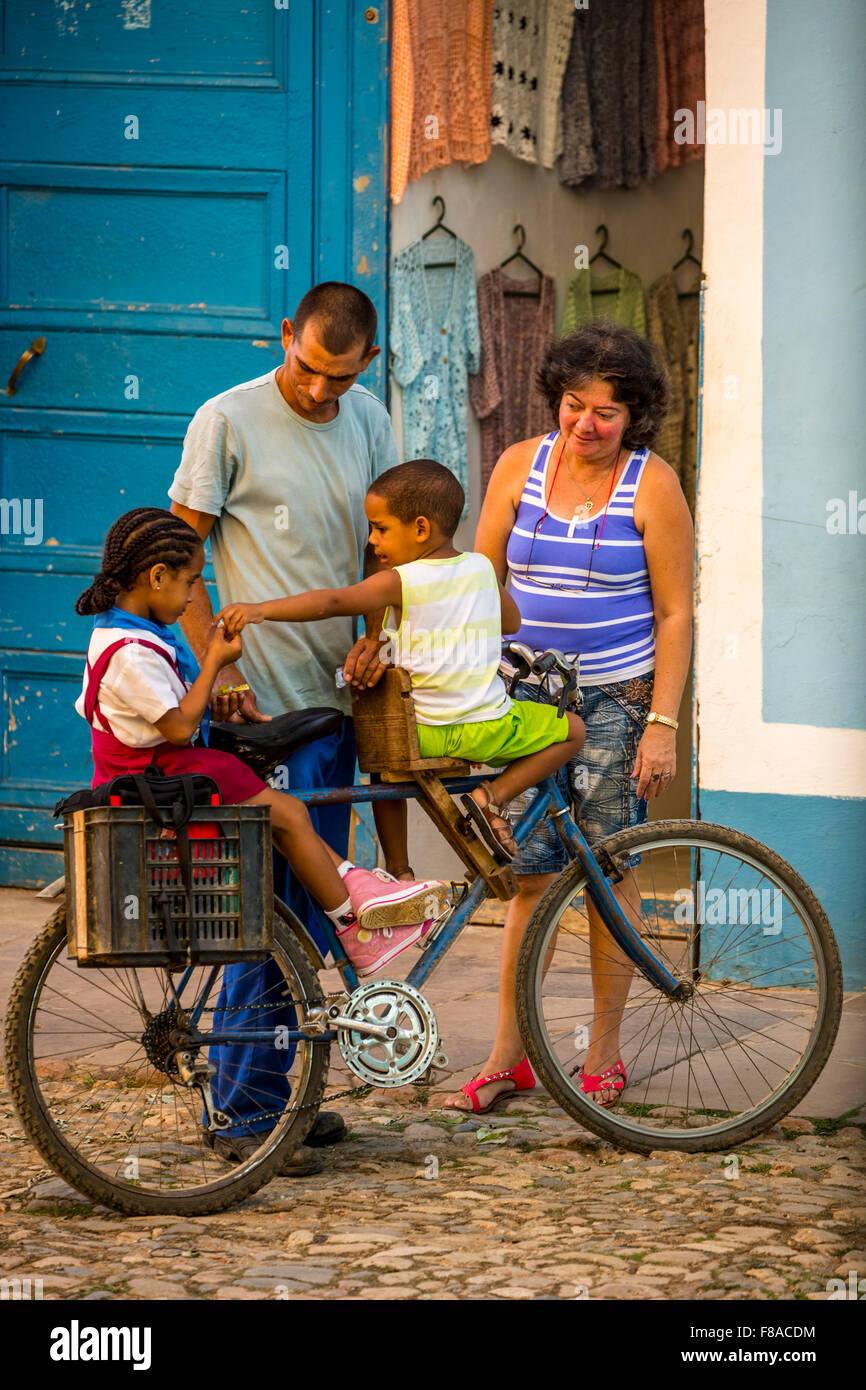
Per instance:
(450,639)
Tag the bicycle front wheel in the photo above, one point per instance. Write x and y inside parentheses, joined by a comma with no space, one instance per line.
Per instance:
(741,928)
(110,1069)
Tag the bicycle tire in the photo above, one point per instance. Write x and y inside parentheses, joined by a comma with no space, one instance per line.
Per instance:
(605,1122)
(65,1160)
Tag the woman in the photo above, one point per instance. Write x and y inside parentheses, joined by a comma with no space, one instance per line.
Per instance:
(597,536)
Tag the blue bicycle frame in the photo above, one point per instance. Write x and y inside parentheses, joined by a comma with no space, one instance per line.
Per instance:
(550,799)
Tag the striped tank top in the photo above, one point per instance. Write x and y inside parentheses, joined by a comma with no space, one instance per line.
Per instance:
(610,622)
(450,639)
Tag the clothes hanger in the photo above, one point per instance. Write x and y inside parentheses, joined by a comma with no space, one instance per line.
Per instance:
(439,226)
(601,230)
(690,241)
(519,256)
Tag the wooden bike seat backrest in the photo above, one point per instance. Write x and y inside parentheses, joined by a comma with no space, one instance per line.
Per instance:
(386,733)
(387,739)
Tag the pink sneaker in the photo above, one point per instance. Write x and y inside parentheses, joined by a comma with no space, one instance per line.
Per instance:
(370,950)
(380,900)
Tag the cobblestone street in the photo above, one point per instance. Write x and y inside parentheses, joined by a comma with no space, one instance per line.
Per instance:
(416,1206)
(422,1203)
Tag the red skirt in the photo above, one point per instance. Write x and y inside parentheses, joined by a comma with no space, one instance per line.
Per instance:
(236,782)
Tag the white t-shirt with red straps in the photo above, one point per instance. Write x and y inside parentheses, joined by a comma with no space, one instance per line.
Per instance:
(138,687)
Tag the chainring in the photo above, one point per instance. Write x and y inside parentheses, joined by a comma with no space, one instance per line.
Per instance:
(402,1058)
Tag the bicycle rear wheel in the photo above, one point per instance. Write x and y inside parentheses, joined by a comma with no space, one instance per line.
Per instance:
(734,921)
(92,1061)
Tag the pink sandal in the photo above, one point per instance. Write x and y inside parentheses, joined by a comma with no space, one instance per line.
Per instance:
(521,1075)
(590,1085)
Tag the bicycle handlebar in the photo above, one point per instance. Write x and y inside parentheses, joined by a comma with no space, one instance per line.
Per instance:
(526,663)
(543,665)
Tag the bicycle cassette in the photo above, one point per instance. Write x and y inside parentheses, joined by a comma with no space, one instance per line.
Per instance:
(413,1037)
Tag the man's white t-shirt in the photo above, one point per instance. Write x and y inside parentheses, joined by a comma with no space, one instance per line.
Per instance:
(139,687)
(288,496)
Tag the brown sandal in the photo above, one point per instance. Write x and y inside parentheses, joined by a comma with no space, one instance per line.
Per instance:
(490,824)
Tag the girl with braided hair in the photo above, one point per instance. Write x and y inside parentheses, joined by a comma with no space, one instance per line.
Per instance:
(146,701)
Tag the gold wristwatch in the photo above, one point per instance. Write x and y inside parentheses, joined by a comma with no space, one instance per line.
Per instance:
(653,718)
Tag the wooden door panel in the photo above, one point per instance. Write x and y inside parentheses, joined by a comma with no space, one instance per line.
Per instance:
(107,40)
(158,256)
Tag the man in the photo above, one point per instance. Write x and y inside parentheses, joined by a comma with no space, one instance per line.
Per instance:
(274,471)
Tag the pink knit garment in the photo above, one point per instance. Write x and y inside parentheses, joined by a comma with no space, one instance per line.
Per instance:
(515,332)
(441,55)
(679,39)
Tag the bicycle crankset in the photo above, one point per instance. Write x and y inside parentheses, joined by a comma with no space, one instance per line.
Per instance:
(407,1037)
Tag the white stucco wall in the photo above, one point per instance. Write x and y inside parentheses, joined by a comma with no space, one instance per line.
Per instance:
(738,751)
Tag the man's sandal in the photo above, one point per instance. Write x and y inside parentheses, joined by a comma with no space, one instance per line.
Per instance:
(610,1083)
(521,1075)
(490,823)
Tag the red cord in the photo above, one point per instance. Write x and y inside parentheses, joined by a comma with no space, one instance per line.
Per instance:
(597,543)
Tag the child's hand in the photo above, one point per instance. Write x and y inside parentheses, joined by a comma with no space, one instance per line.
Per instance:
(227,648)
(235,616)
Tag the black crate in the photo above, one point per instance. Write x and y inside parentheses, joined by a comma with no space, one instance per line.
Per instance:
(122,875)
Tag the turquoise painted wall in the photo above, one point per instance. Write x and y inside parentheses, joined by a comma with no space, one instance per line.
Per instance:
(823,838)
(814,471)
(814,345)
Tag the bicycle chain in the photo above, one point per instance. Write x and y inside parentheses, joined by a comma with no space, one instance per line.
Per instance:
(281,1004)
(361,1091)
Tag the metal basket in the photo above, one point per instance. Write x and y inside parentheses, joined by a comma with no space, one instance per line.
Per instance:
(126,895)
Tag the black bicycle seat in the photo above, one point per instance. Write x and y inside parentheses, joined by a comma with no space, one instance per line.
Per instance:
(264,746)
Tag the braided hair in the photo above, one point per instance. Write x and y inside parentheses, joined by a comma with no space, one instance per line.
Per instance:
(139,539)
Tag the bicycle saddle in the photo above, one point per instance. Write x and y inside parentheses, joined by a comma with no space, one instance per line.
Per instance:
(264,746)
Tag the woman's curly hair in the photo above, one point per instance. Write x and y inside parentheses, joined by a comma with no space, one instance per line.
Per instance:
(139,539)
(621,356)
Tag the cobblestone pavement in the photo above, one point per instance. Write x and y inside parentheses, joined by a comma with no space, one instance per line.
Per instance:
(420,1204)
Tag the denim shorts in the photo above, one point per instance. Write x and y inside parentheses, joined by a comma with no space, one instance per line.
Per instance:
(597,781)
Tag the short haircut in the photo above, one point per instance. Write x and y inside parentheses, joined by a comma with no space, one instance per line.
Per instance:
(422,487)
(620,356)
(344,317)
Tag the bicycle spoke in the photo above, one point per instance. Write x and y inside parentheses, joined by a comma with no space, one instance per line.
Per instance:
(730,1048)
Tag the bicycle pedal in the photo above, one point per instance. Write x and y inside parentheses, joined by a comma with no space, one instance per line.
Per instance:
(435,931)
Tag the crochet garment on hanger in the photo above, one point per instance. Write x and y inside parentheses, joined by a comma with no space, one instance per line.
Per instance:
(440,86)
(514,335)
(679,33)
(609,97)
(625,307)
(673,324)
(435,342)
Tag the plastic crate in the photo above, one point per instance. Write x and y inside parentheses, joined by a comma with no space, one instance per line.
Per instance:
(123,877)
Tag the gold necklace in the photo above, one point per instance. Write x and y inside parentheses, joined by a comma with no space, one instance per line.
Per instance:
(587,506)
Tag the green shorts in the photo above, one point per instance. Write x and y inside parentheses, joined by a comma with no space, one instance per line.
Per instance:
(525,729)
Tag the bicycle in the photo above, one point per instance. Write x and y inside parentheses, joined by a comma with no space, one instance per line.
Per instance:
(734,994)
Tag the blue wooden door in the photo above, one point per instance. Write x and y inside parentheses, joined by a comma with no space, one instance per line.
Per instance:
(176,174)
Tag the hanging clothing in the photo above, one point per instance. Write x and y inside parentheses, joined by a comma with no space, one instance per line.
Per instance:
(691,312)
(679,37)
(556,45)
(441,58)
(609,97)
(435,342)
(672,324)
(583,303)
(518,34)
(514,334)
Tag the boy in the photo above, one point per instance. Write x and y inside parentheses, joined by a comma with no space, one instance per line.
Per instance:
(446,613)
